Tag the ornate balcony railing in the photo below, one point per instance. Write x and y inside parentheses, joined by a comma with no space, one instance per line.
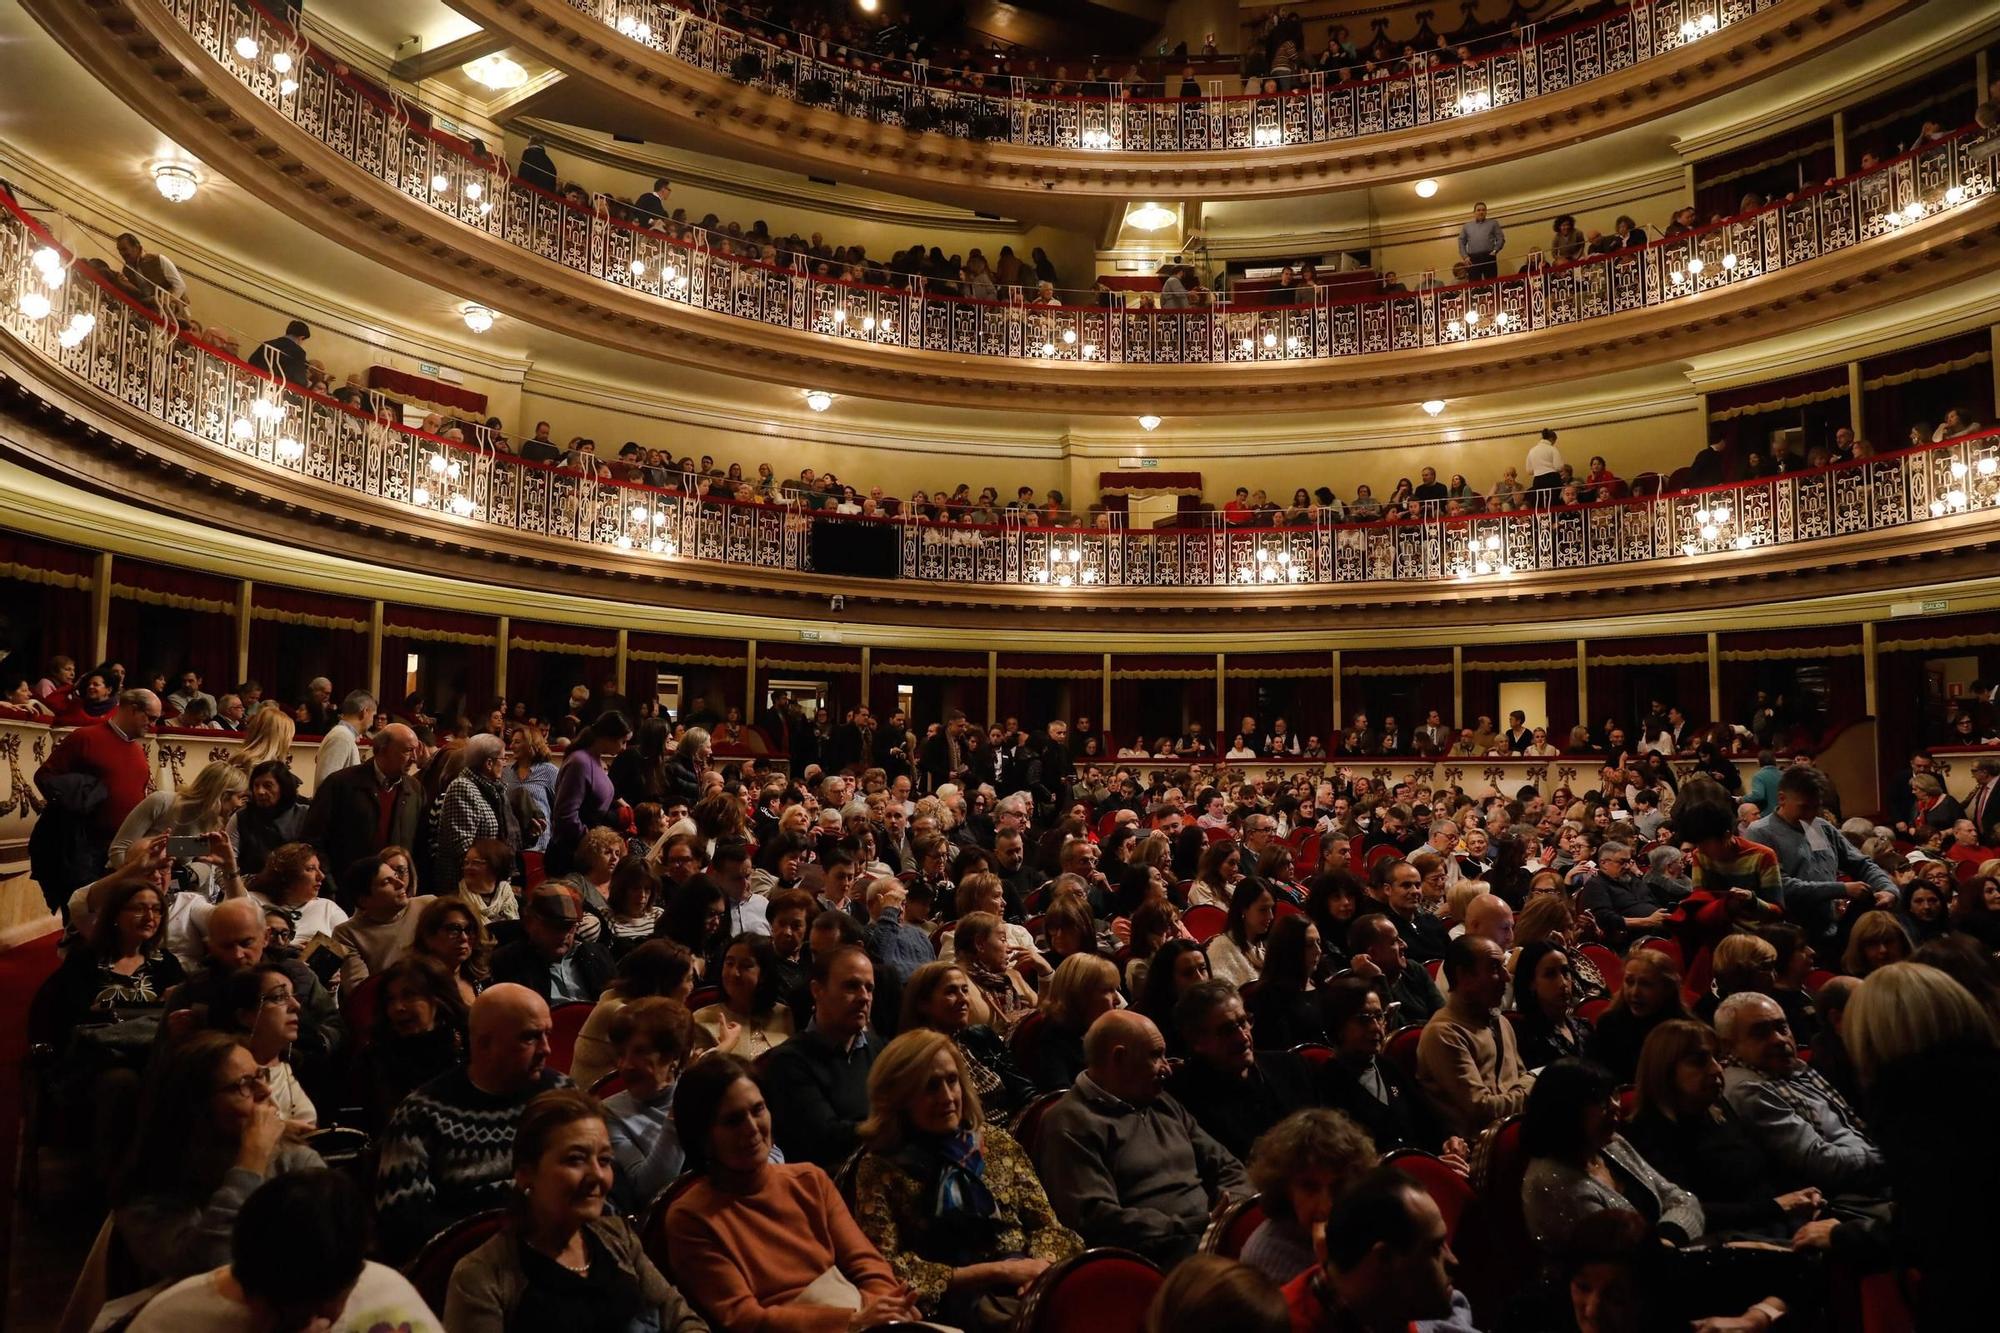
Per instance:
(377,132)
(67,316)
(1037,113)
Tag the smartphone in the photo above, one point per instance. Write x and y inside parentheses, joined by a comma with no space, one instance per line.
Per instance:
(187,849)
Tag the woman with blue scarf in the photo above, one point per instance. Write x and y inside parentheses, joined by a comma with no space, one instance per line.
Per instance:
(952,1203)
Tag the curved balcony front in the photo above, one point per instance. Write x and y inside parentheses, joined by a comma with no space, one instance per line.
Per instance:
(785,101)
(219,418)
(359,166)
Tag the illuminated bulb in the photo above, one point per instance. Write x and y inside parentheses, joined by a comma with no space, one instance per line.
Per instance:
(637,268)
(818,399)
(246,46)
(421,495)
(1069,337)
(1955,498)
(452,470)
(658,546)
(1048,349)
(437,465)
(1677,277)
(1426,188)
(34,304)
(477,318)
(282,62)
(241,428)
(1956,194)
(1291,344)
(1687,548)
(485,207)
(1957,468)
(47,259)
(473,189)
(1696,265)
(53,278)
(1244,346)
(1937,509)
(1506,571)
(1914,209)
(1149,422)
(1481,567)
(888,326)
(1742,542)
(1721,513)
(462,505)
(624,542)
(1464,575)
(440,182)
(1270,340)
(1702,516)
(1284,557)
(673,271)
(1503,319)
(1729,261)
(868,323)
(1456,326)
(1492,543)
(1064,581)
(287,86)
(1433,406)
(1988,466)
(265,410)
(1089,351)
(840,316)
(1709,532)
(1267,136)
(640,514)
(290,450)
(1471,317)
(679,281)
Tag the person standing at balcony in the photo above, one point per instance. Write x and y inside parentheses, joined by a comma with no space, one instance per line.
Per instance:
(286,356)
(72,838)
(152,278)
(1711,466)
(537,167)
(652,205)
(1545,461)
(1479,244)
(341,747)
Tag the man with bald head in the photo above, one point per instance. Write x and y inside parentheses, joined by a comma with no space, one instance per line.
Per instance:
(448,1150)
(232,938)
(1810,1134)
(1123,1162)
(358,811)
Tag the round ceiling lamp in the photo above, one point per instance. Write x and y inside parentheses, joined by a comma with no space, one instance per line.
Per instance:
(1149,423)
(477,318)
(177,184)
(1151,217)
(1426,188)
(818,399)
(1433,406)
(496,72)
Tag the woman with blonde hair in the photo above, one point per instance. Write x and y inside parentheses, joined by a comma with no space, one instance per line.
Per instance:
(1548,916)
(1207,1291)
(268,737)
(1742,962)
(202,807)
(1876,940)
(1299,1166)
(980,947)
(1081,991)
(950,1199)
(1922,1044)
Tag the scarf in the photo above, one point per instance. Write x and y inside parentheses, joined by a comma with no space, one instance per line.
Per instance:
(961,1176)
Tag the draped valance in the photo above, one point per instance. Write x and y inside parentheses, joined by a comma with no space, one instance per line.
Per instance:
(432,626)
(1397,662)
(573,640)
(688,650)
(1815,386)
(809,657)
(35,561)
(289,606)
(181,589)
(1051,666)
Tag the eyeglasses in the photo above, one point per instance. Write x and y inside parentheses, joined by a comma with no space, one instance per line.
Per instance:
(245,1086)
(277,934)
(457,930)
(277,997)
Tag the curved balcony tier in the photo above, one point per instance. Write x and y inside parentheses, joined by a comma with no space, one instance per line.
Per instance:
(117,372)
(687,79)
(335,154)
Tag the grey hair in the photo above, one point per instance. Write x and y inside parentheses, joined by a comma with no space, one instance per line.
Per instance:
(481,749)
(1443,826)
(1015,804)
(356,703)
(1663,856)
(1613,848)
(1731,1009)
(318,681)
(140,698)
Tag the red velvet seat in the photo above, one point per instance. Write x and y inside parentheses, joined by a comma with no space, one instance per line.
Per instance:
(1401,1049)
(565,1022)
(1227,1235)
(1670,947)
(357,1010)
(1493,1242)
(1609,965)
(1026,1038)
(653,1224)
(1312,1052)
(532,868)
(1380,853)
(702,996)
(1098,1291)
(1450,1191)
(1817,978)
(1028,1120)
(1590,1010)
(430,1271)
(1205,922)
(1215,835)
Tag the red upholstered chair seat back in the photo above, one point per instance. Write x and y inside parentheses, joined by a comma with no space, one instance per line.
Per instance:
(1099,1291)
(565,1022)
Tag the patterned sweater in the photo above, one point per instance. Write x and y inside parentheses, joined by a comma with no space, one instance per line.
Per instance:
(447,1153)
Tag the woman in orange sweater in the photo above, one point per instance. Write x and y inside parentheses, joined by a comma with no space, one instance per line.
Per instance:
(762,1247)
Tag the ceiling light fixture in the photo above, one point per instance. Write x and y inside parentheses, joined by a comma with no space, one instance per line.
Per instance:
(818,399)
(1151,217)
(177,184)
(477,318)
(1433,406)
(868,6)
(496,72)
(1426,188)
(1149,422)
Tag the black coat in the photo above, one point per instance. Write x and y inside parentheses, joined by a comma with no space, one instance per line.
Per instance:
(519,963)
(1404,1121)
(1235,1111)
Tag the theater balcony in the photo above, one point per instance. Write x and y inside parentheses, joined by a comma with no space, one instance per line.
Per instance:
(332,150)
(684,78)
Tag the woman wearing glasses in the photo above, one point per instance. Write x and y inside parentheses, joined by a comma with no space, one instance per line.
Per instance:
(208,1136)
(256,1005)
(449,931)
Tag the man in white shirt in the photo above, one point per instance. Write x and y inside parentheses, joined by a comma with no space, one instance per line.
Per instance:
(1545,463)
(295,1262)
(342,746)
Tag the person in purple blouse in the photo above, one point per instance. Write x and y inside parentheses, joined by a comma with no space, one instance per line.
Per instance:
(584,798)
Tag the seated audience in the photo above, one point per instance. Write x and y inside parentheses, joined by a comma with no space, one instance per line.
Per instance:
(208,1135)
(274,815)
(652,1037)
(1737,963)
(296,1260)
(1369,1090)
(1175,966)
(291,882)
(256,1006)
(1387,1264)
(1807,1130)
(947,1195)
(1081,991)
(748,1020)
(981,949)
(1544,1026)
(384,920)
(1123,1162)
(444,1155)
(1578,1164)
(1232,1091)
(1378,952)
(658,967)
(1208,1291)
(551,958)
(819,1079)
(1236,954)
(761,1245)
(632,906)
(1285,1009)
(1649,995)
(1467,1063)
(236,939)
(1300,1166)
(420,1018)
(941,998)
(451,933)
(562,1259)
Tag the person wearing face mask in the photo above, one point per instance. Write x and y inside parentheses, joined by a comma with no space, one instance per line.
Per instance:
(208,1136)
(948,1196)
(295,1265)
(763,1245)
(562,1259)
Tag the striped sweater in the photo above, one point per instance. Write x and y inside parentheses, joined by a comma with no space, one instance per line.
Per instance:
(448,1152)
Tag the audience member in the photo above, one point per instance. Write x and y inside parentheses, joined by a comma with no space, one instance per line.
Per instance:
(1467,1062)
(1300,1166)
(1811,1135)
(819,1079)
(1233,1092)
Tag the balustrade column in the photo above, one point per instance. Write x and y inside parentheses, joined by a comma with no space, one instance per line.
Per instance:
(1854,417)
(1839,144)
(1221,703)
(624,655)
(1582,689)
(1993,336)
(100,608)
(501,633)
(375,644)
(1339,718)
(750,709)
(1457,685)
(243,629)
(1104,710)
(1714,676)
(868,678)
(992,685)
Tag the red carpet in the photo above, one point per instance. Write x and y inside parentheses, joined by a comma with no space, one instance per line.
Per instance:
(23,968)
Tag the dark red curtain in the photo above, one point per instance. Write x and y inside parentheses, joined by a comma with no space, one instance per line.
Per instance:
(1622,692)
(1817,690)
(39,617)
(708,688)
(1916,386)
(285,655)
(1304,701)
(1750,416)
(1159,706)
(1039,698)
(1403,683)
(451,676)
(1774,166)
(1509,662)
(149,635)
(1889,123)
(835,669)
(1916,708)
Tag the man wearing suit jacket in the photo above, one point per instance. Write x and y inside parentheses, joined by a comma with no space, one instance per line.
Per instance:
(1433,737)
(1982,805)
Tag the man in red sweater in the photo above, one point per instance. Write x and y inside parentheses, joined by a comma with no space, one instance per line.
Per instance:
(110,751)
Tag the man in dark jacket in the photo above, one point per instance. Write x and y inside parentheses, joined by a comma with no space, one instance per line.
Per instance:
(817,1083)
(360,810)
(549,959)
(286,356)
(537,167)
(1232,1091)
